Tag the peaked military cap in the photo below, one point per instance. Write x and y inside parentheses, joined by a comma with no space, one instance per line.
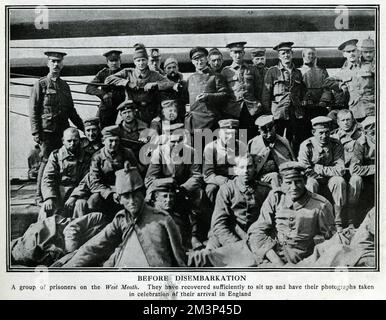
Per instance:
(164,184)
(348,45)
(110,131)
(291,169)
(113,55)
(197,52)
(321,122)
(264,120)
(125,105)
(229,123)
(55,55)
(236,46)
(154,54)
(369,121)
(258,52)
(92,121)
(283,46)
(128,180)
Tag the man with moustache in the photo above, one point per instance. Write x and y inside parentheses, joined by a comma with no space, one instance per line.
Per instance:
(271,151)
(182,95)
(64,170)
(367,49)
(50,108)
(207,93)
(215,59)
(283,95)
(142,85)
(238,204)
(243,82)
(139,235)
(290,218)
(110,96)
(155,61)
(259,61)
(323,158)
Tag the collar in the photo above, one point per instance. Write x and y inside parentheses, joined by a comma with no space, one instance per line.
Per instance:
(242,187)
(350,133)
(237,66)
(281,66)
(64,154)
(299,203)
(141,74)
(206,70)
(109,155)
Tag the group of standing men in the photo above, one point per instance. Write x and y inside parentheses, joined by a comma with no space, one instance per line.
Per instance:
(269,188)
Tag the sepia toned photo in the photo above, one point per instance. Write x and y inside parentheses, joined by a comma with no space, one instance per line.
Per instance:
(210,138)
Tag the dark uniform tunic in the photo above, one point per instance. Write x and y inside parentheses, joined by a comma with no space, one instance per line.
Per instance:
(282,96)
(134,81)
(152,239)
(289,227)
(111,97)
(129,135)
(237,207)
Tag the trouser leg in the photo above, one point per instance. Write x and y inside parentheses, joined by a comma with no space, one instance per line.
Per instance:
(338,189)
(211,192)
(312,185)
(355,187)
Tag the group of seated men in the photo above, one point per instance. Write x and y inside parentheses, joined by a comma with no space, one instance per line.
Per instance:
(275,180)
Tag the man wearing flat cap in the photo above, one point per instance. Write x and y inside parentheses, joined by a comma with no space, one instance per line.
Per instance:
(110,96)
(142,85)
(64,170)
(207,93)
(104,163)
(323,157)
(155,61)
(243,82)
(93,140)
(175,159)
(283,95)
(182,95)
(290,218)
(132,131)
(238,204)
(138,236)
(50,108)
(362,167)
(271,151)
(219,157)
(215,59)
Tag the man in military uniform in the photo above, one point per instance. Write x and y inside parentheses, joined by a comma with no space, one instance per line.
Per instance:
(259,61)
(50,108)
(323,158)
(283,95)
(340,83)
(348,133)
(169,117)
(362,165)
(243,82)
(138,236)
(207,93)
(165,198)
(93,140)
(155,61)
(110,96)
(104,163)
(132,131)
(271,151)
(182,95)
(290,219)
(215,59)
(219,157)
(142,84)
(367,49)
(238,204)
(317,97)
(64,170)
(177,160)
